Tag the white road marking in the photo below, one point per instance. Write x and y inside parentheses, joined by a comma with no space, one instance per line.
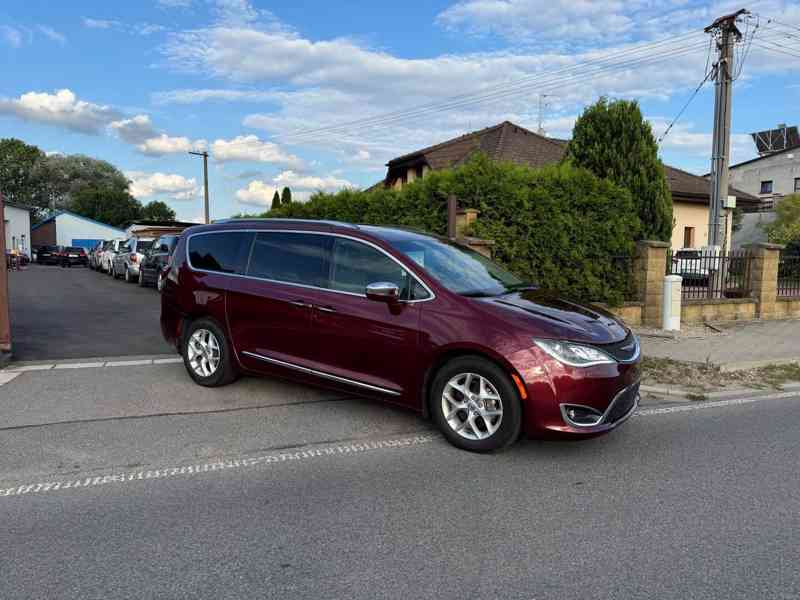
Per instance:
(128,363)
(29,368)
(127,477)
(167,361)
(706,404)
(6,377)
(86,365)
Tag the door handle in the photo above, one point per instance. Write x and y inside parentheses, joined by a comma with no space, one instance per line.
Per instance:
(300,304)
(327,309)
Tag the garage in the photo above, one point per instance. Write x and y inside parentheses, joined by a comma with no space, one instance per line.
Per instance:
(66,228)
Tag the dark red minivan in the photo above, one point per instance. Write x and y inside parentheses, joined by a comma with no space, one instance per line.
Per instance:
(412,319)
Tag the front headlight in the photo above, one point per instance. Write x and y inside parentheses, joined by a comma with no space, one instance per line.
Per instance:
(574,355)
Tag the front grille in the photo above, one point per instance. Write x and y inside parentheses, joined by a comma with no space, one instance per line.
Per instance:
(623,403)
(625,351)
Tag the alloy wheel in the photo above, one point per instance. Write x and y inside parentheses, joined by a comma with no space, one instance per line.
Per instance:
(471,406)
(203,352)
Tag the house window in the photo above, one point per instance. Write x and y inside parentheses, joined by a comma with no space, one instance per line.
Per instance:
(688,237)
(766,187)
(797,184)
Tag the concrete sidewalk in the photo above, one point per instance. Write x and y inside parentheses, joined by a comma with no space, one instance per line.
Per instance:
(737,345)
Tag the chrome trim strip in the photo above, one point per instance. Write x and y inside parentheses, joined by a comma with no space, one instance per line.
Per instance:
(602,420)
(320,373)
(302,285)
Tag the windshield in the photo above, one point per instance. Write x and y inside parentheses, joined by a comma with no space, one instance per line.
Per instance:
(143,246)
(459,269)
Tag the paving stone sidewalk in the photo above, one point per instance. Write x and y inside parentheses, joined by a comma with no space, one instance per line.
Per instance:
(738,345)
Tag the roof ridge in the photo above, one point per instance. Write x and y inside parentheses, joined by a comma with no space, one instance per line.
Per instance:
(459,138)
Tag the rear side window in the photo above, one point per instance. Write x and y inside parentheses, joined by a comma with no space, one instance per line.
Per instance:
(224,252)
(356,265)
(291,257)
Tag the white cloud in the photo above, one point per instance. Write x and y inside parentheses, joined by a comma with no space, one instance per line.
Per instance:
(135,130)
(165,144)
(99,23)
(11,36)
(62,108)
(249,148)
(309,182)
(257,193)
(198,96)
(146,185)
(52,34)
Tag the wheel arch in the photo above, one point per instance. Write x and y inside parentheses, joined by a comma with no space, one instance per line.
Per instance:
(450,353)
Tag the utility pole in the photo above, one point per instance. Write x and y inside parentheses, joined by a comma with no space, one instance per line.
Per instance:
(540,130)
(204,154)
(727,34)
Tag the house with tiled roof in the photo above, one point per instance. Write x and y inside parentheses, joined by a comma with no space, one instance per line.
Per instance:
(511,143)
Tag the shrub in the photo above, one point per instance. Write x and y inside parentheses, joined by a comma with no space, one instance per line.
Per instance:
(560,226)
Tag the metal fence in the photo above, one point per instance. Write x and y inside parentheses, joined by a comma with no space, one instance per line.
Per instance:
(711,275)
(789,277)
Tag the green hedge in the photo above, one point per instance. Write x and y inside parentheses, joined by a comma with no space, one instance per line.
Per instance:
(559,226)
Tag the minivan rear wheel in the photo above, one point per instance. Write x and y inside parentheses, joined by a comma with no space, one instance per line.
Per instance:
(207,354)
(475,405)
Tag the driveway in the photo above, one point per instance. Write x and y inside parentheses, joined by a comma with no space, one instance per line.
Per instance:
(79,313)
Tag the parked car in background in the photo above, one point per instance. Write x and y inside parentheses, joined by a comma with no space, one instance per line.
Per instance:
(416,320)
(127,261)
(48,255)
(695,264)
(110,250)
(73,255)
(156,259)
(94,255)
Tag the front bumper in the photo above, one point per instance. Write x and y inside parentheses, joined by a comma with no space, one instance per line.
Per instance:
(619,410)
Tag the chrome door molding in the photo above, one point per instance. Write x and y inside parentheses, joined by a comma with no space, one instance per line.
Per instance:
(301,369)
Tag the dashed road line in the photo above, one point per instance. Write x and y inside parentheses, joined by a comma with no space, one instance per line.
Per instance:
(193,470)
(93,364)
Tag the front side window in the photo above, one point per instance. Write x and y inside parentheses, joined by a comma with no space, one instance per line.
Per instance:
(355,265)
(459,269)
(300,258)
(766,187)
(224,252)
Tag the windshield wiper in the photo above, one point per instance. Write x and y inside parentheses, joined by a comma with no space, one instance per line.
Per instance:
(521,287)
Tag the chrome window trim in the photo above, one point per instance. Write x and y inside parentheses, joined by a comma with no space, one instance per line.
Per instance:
(283,363)
(432,295)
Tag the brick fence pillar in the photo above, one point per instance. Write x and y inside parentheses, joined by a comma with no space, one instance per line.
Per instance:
(762,277)
(650,267)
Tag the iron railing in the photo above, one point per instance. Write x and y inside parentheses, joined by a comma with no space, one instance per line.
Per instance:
(706,274)
(789,277)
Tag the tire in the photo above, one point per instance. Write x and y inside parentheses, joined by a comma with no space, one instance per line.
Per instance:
(141,278)
(477,433)
(127,275)
(225,371)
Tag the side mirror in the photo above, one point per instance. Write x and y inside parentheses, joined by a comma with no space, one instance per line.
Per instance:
(383,291)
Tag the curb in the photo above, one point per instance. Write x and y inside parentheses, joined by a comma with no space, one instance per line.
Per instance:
(685,395)
(85,363)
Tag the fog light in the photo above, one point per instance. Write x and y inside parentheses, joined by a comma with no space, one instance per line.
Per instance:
(581,416)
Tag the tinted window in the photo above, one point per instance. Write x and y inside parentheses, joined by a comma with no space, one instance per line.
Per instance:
(355,265)
(224,252)
(291,257)
(143,246)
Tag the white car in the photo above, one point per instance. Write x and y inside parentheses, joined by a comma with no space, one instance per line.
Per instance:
(127,261)
(695,263)
(110,249)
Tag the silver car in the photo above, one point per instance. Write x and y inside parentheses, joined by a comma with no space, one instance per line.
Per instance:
(127,261)
(107,254)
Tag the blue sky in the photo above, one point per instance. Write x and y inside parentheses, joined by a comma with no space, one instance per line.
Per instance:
(141,83)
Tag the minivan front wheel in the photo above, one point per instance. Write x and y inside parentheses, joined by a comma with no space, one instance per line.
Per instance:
(207,354)
(475,405)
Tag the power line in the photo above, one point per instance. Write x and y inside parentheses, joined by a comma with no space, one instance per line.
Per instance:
(685,106)
(487,93)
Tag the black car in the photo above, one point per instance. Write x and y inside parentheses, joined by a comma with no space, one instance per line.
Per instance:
(48,255)
(73,255)
(156,259)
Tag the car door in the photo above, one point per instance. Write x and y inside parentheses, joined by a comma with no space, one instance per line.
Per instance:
(371,342)
(269,310)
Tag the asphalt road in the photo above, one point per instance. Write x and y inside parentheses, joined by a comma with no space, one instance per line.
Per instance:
(79,313)
(328,497)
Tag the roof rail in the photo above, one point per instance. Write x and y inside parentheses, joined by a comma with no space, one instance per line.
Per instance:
(288,221)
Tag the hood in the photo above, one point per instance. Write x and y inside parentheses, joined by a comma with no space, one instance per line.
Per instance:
(550,316)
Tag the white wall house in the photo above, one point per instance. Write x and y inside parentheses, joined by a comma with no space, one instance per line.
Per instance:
(69,229)
(769,177)
(17,227)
